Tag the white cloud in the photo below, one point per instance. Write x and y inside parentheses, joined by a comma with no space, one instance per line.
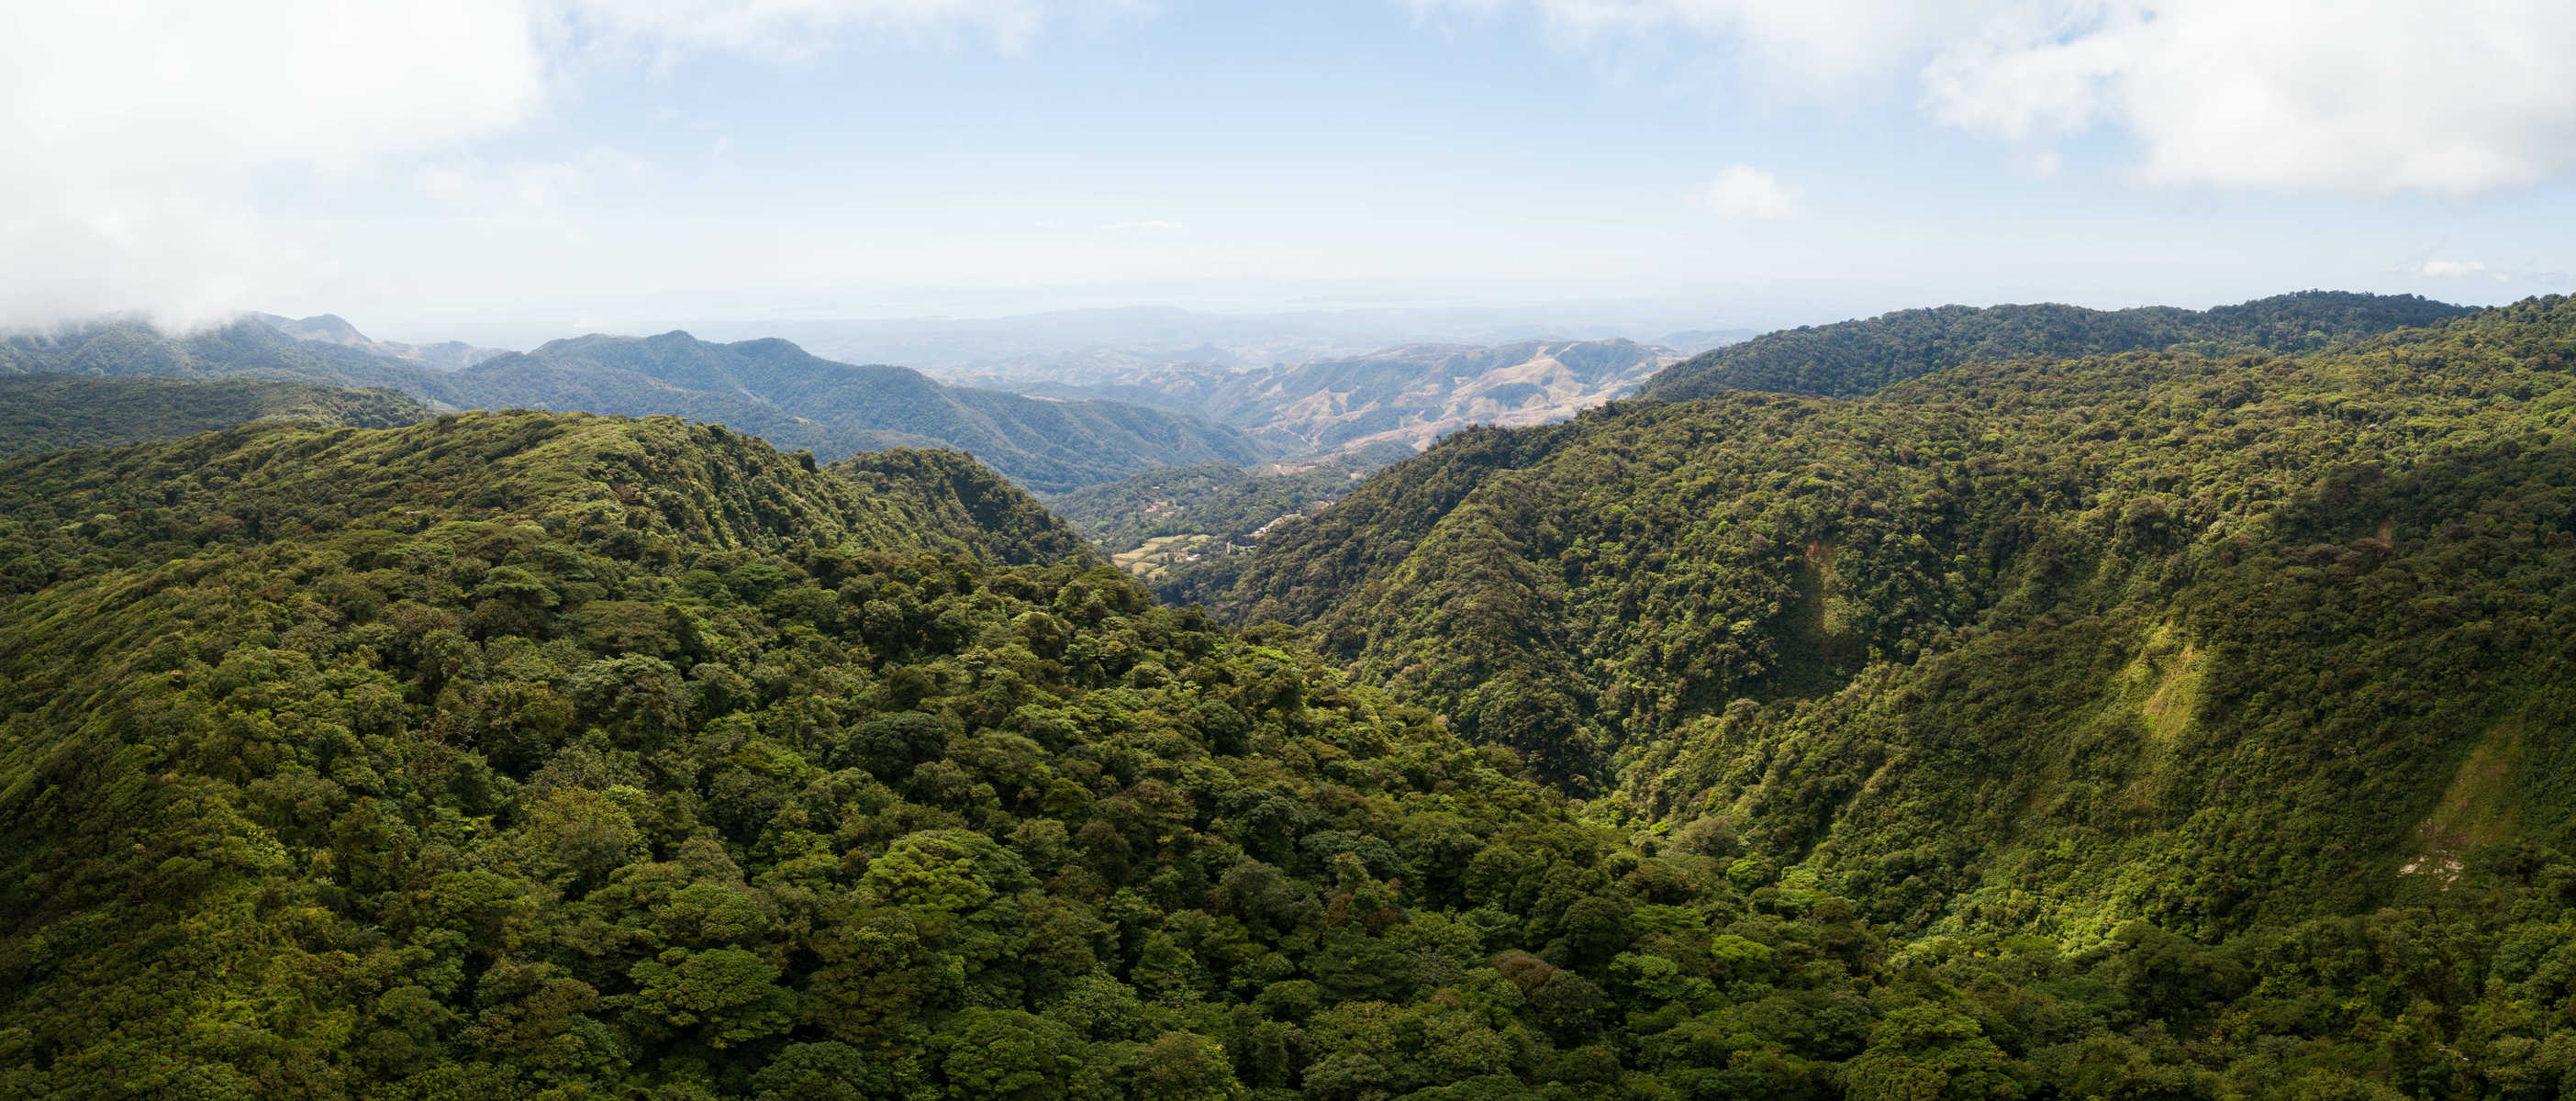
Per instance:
(1150,225)
(1743,191)
(136,136)
(2458,269)
(786,27)
(2367,96)
(1814,42)
(130,133)
(470,186)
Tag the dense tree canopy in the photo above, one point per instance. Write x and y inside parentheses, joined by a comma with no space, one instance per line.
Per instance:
(53,412)
(2012,614)
(1856,357)
(2159,725)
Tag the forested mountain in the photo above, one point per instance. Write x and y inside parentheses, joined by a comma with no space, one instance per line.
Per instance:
(766,387)
(53,412)
(1410,395)
(773,389)
(132,348)
(1857,357)
(446,355)
(553,756)
(2037,645)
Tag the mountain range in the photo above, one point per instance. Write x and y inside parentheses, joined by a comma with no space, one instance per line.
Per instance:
(768,387)
(1084,346)
(1856,357)
(2013,614)
(1410,395)
(2002,704)
(54,412)
(445,355)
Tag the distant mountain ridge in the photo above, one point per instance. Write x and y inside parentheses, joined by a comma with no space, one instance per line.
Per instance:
(1851,358)
(1412,394)
(770,388)
(446,355)
(1087,346)
(55,412)
(1691,342)
(777,390)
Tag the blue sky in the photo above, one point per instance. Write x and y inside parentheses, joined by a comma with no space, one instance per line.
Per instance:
(564,165)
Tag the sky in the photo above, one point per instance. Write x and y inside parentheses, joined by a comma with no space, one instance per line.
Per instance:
(559,166)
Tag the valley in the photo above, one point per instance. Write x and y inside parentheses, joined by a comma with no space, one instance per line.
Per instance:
(1401,550)
(2043,708)
(1407,396)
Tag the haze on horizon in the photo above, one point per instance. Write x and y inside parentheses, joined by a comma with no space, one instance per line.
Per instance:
(529,168)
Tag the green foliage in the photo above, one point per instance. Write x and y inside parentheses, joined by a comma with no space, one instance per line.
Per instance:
(132,348)
(2028,645)
(950,492)
(524,755)
(1857,357)
(55,412)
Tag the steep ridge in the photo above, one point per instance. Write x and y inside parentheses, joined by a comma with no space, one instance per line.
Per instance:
(129,347)
(1856,357)
(446,355)
(53,412)
(769,388)
(773,388)
(551,756)
(1407,396)
(1317,564)
(1308,568)
(2038,644)
(947,491)
(638,488)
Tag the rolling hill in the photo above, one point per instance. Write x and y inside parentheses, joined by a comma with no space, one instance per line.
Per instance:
(2035,644)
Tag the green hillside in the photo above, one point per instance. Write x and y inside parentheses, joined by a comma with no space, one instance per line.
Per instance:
(2149,726)
(1856,357)
(53,412)
(2043,644)
(131,348)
